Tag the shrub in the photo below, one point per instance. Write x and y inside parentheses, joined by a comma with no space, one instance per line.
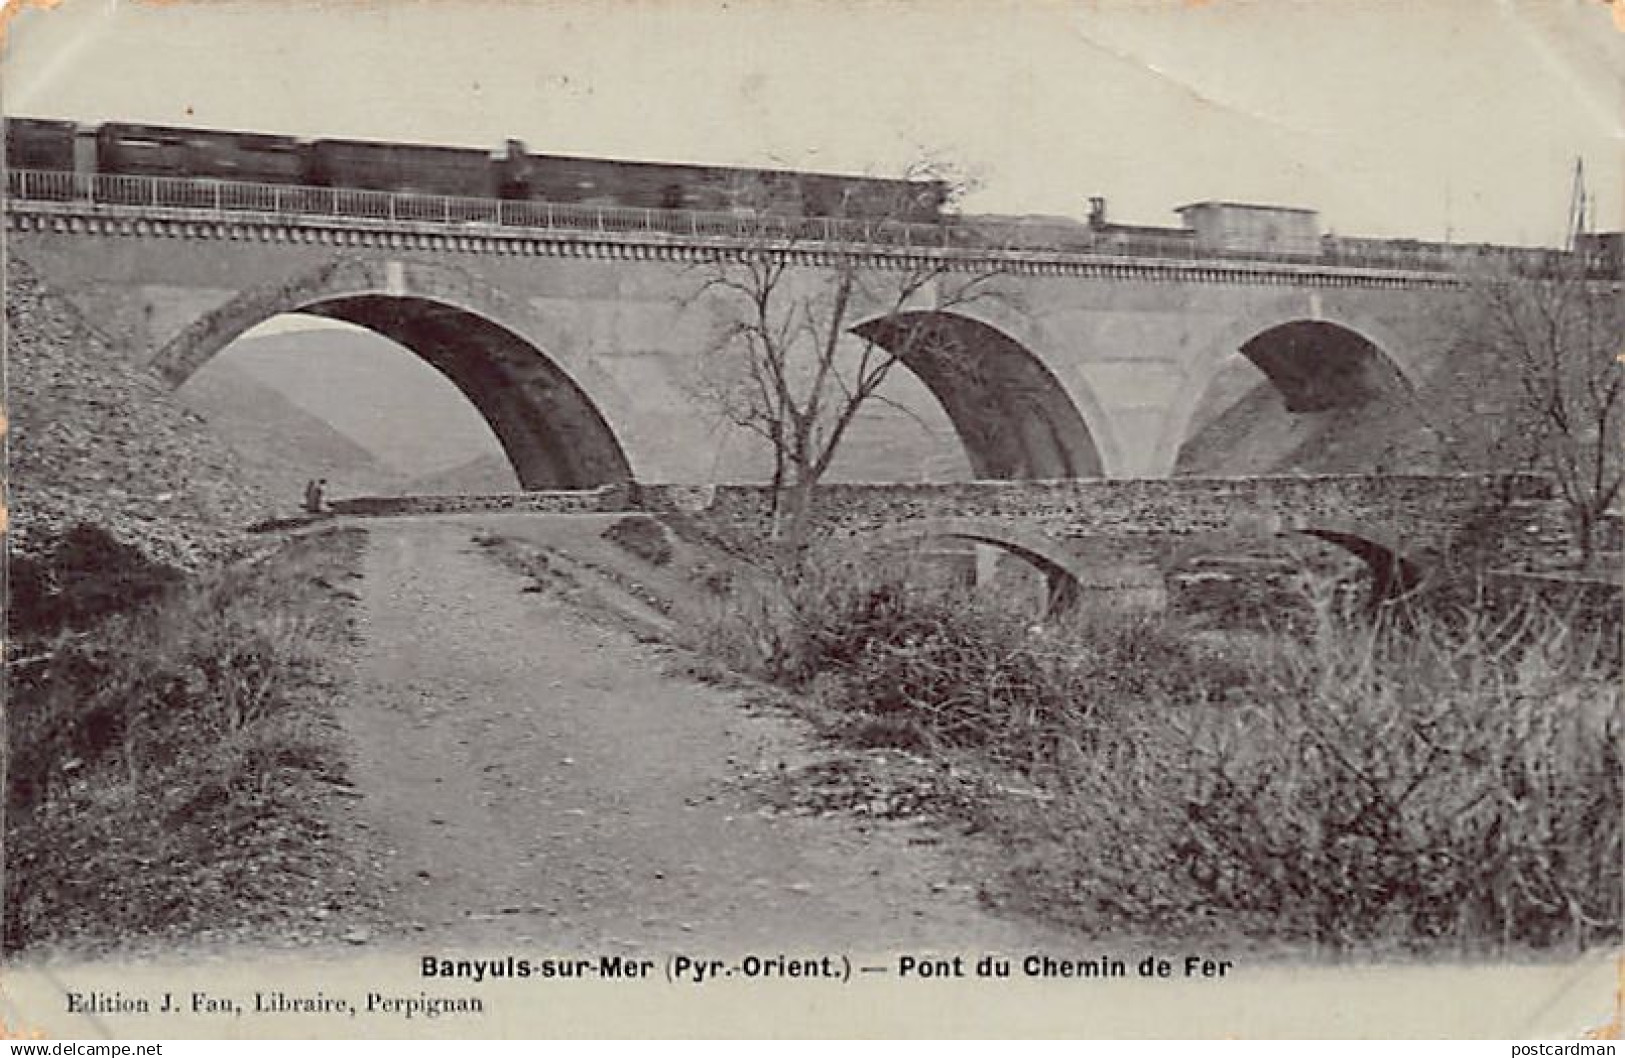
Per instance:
(643,536)
(81,578)
(161,764)
(912,663)
(1374,791)
(1422,780)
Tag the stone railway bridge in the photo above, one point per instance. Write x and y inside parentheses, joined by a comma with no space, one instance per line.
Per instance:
(576,339)
(576,342)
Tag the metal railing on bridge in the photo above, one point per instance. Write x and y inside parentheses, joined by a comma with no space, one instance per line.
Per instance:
(966,235)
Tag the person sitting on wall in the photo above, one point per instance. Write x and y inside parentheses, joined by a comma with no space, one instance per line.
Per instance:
(315,496)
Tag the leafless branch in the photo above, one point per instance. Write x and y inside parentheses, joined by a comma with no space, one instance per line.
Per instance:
(789,363)
(1557,337)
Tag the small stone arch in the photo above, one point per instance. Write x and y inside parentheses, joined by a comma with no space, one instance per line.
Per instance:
(1394,570)
(1013,416)
(1064,573)
(554,433)
(1393,574)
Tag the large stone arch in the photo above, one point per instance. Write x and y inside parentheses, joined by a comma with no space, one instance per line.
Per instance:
(1013,416)
(1291,348)
(554,433)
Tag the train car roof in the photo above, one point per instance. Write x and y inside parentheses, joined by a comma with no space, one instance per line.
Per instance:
(56,122)
(666,164)
(117,127)
(1256,206)
(792,174)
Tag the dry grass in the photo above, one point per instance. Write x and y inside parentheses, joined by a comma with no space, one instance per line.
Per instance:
(168,764)
(1437,791)
(1431,784)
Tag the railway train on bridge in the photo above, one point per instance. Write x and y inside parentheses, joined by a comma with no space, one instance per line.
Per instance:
(508,173)
(1209,229)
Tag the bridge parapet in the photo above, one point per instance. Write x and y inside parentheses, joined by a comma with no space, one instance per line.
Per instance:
(605,499)
(1423,509)
(971,241)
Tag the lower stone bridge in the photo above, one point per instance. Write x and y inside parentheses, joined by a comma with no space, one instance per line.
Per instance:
(1125,536)
(1108,535)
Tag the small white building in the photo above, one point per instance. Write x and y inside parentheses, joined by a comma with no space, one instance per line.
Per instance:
(1243,227)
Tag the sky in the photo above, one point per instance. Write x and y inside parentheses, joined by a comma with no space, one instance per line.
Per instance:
(1421,118)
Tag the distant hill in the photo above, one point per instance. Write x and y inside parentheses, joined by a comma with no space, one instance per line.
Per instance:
(886,444)
(484,473)
(1234,381)
(1247,430)
(279,443)
(369,389)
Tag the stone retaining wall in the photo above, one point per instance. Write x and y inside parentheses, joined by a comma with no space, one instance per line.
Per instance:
(606,499)
(1415,512)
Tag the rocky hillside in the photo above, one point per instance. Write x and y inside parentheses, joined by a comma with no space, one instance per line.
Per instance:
(1459,420)
(1258,435)
(95,438)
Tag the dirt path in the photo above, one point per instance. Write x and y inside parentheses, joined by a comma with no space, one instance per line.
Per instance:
(528,775)
(535,784)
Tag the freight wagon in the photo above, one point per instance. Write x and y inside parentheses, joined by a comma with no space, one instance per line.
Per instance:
(122,149)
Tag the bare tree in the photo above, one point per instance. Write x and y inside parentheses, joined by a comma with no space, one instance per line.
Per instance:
(1554,335)
(814,315)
